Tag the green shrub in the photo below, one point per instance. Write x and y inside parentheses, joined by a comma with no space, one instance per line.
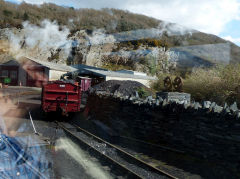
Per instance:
(7,12)
(25,16)
(142,92)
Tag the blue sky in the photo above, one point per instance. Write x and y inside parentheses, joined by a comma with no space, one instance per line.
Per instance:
(232,31)
(219,17)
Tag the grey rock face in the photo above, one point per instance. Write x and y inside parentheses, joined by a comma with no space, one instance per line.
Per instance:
(238,115)
(227,110)
(136,94)
(174,96)
(234,107)
(212,105)
(186,105)
(196,105)
(164,102)
(206,104)
(217,109)
(225,106)
(181,102)
(160,99)
(149,98)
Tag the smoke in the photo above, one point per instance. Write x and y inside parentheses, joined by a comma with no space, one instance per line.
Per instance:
(49,39)
(35,40)
(152,33)
(99,37)
(102,43)
(174,29)
(112,25)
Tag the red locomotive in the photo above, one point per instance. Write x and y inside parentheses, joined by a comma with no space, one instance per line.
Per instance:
(64,96)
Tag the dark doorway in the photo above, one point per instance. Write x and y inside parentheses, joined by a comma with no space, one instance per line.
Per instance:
(10,72)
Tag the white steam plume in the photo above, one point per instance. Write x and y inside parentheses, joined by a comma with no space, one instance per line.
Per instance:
(164,27)
(174,29)
(39,40)
(99,37)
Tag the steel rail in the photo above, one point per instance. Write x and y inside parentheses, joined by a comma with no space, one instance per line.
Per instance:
(129,173)
(128,155)
(152,144)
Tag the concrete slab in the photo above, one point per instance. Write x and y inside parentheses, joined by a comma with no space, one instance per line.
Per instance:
(174,96)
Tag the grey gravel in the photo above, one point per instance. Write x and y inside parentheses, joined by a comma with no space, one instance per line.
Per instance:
(103,148)
(234,107)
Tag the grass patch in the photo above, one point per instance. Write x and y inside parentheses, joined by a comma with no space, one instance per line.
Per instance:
(220,84)
(144,92)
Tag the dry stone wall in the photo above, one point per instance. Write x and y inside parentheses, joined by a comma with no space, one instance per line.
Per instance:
(207,131)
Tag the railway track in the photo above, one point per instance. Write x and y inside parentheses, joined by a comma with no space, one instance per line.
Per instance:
(121,162)
(148,144)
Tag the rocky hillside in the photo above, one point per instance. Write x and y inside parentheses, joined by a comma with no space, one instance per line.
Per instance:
(109,38)
(112,20)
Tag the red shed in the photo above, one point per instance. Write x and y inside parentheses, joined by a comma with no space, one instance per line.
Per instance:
(31,72)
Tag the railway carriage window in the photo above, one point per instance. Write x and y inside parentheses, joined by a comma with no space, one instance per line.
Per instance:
(158,79)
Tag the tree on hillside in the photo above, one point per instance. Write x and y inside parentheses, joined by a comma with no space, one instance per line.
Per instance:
(25,16)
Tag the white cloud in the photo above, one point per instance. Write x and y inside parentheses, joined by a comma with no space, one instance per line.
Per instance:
(207,16)
(210,16)
(230,38)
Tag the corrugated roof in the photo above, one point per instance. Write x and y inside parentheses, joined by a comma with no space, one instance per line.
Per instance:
(53,66)
(50,65)
(115,74)
(82,66)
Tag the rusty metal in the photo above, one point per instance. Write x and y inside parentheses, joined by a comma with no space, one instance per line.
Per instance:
(168,83)
(178,84)
(175,85)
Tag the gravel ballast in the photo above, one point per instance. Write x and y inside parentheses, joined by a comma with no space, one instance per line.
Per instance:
(111,152)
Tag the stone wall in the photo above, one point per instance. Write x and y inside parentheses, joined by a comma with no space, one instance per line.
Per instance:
(206,131)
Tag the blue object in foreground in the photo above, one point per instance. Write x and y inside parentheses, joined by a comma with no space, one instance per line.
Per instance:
(15,162)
